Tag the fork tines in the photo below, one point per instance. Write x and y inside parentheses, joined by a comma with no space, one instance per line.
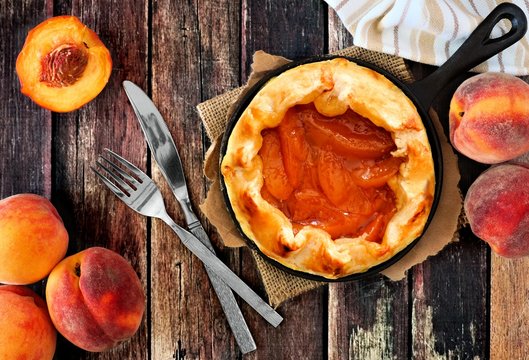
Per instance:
(119,181)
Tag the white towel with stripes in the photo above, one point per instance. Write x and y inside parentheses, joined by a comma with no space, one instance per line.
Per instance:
(428,31)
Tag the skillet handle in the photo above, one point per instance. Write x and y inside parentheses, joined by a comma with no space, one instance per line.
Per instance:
(476,49)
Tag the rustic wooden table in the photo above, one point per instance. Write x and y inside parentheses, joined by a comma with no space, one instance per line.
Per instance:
(463,303)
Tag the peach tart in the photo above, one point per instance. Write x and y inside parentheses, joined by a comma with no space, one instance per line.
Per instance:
(329,170)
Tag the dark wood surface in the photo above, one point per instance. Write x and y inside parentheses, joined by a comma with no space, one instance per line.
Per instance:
(463,303)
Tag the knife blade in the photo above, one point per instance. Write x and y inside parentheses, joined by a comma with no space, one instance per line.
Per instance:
(166,155)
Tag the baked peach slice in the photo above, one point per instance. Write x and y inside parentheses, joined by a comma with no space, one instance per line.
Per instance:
(63,64)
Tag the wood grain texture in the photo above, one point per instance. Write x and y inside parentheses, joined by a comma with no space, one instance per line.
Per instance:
(293,29)
(25,128)
(187,317)
(93,215)
(301,335)
(219,28)
(449,317)
(339,37)
(368,319)
(450,290)
(509,314)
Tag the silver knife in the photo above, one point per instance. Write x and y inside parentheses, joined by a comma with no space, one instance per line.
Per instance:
(164,151)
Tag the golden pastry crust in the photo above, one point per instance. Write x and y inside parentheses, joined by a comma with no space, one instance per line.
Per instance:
(333,86)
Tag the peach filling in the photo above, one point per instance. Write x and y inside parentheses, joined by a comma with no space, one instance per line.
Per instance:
(330,172)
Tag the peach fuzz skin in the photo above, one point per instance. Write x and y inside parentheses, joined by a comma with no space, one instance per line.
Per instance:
(489,118)
(32,239)
(27,331)
(497,208)
(95,299)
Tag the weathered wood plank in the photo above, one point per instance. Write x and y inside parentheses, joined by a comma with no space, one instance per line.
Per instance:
(181,321)
(95,217)
(449,309)
(339,36)
(219,25)
(25,128)
(509,286)
(293,29)
(219,28)
(450,290)
(187,317)
(368,319)
(301,335)
(508,308)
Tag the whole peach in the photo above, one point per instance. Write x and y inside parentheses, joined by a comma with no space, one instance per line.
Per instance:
(27,332)
(95,299)
(32,238)
(497,208)
(489,117)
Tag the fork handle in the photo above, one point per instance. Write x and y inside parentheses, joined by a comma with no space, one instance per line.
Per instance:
(218,267)
(238,325)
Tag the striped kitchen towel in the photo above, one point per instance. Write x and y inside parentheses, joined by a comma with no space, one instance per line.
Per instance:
(428,31)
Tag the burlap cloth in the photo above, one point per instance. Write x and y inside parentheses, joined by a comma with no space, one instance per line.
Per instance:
(279,285)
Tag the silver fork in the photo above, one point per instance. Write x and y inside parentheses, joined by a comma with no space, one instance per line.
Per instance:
(141,194)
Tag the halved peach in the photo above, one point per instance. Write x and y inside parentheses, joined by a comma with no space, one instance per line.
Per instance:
(63,64)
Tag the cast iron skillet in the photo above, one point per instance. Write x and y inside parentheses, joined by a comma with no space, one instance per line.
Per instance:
(476,49)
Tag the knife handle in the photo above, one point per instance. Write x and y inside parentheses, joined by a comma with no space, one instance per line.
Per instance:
(238,325)
(189,215)
(219,268)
